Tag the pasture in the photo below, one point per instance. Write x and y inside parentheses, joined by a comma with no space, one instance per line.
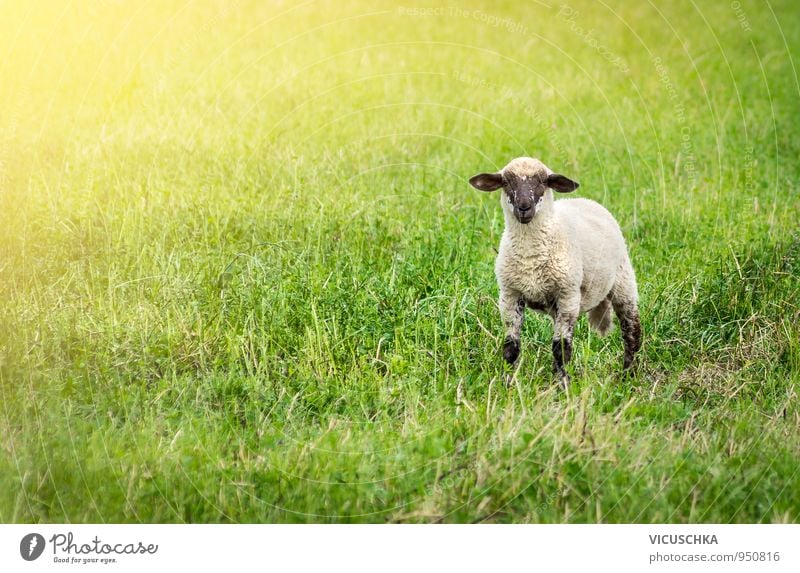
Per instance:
(243,277)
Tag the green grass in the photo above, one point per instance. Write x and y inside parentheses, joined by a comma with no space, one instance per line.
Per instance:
(243,277)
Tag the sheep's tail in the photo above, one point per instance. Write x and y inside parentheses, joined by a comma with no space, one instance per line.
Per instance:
(600,317)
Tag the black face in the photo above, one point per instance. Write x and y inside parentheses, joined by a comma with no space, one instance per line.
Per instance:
(524,193)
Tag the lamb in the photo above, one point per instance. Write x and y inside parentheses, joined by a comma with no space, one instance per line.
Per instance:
(562,258)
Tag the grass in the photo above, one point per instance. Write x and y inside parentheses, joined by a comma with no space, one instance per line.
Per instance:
(243,278)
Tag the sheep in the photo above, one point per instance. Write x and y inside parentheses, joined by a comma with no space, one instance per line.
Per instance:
(561,258)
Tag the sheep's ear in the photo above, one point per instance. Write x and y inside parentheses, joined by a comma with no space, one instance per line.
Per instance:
(561,184)
(487,181)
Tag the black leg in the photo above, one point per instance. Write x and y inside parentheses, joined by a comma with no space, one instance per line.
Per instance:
(511,350)
(631,334)
(562,354)
(512,311)
(563,327)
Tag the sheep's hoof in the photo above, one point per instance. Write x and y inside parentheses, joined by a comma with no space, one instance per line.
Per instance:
(511,350)
(629,372)
(564,381)
(510,379)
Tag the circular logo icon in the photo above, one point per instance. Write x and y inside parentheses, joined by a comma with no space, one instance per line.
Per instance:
(31,546)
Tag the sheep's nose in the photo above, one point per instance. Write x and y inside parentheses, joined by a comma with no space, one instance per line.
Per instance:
(524,208)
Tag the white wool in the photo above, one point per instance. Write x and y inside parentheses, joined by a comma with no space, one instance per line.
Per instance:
(573,249)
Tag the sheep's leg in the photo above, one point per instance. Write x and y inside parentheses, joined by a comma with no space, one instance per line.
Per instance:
(512,312)
(563,326)
(600,317)
(631,328)
(624,299)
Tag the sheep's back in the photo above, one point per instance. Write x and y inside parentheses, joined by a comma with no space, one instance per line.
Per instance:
(595,238)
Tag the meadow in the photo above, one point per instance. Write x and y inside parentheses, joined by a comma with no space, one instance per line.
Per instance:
(243,277)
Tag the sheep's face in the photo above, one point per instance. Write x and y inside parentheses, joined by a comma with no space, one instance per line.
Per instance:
(525,182)
(524,194)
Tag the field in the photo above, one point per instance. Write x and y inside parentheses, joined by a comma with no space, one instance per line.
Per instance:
(243,277)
